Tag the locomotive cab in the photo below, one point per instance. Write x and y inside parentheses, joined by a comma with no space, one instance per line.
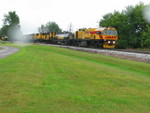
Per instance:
(110,37)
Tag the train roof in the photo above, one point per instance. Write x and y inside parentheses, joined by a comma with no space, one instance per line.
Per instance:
(104,28)
(100,29)
(97,29)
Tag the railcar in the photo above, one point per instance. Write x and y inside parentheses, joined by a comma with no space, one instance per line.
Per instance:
(63,38)
(44,37)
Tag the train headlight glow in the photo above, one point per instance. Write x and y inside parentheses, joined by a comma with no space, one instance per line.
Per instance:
(114,42)
(108,42)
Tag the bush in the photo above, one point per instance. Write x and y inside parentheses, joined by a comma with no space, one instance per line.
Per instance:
(121,44)
(147,43)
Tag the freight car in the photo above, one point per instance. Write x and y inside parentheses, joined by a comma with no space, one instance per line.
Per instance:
(63,38)
(44,37)
(105,37)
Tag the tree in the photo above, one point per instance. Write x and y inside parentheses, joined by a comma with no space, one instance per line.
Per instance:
(130,24)
(119,21)
(145,43)
(42,29)
(11,19)
(49,27)
(137,25)
(4,30)
(11,27)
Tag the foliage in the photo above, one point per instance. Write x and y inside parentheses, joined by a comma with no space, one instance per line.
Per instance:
(4,30)
(131,26)
(11,27)
(11,19)
(57,80)
(146,38)
(49,27)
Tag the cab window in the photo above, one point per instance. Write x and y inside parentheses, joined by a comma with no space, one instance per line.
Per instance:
(98,32)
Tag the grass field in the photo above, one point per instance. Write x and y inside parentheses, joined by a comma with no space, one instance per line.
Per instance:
(43,79)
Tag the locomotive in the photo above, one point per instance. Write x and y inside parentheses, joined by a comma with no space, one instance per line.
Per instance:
(3,38)
(104,37)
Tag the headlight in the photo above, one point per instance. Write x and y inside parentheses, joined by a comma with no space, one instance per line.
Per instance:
(114,42)
(108,42)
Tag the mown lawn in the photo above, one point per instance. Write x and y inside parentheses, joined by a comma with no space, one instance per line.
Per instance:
(44,79)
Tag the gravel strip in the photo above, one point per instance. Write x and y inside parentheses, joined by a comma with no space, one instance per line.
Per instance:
(119,54)
(6,51)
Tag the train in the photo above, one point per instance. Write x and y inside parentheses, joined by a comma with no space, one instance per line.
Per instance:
(103,37)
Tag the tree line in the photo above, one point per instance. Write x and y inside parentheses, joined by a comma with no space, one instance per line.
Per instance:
(133,30)
(49,27)
(11,27)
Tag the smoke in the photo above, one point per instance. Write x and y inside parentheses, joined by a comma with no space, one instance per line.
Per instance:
(16,36)
(147,14)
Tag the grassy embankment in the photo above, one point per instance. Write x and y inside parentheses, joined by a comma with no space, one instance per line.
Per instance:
(43,79)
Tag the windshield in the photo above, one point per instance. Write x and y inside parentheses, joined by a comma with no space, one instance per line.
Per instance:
(109,32)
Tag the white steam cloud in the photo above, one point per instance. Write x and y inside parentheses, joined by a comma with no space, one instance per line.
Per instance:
(17,37)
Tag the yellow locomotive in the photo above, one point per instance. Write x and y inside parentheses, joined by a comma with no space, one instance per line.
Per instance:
(3,38)
(105,37)
(44,37)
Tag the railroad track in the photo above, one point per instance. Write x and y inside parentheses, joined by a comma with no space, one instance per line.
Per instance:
(132,51)
(121,50)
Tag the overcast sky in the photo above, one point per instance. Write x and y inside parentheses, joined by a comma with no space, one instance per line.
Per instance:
(81,13)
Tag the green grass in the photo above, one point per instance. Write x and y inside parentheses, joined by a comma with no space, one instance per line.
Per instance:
(43,79)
